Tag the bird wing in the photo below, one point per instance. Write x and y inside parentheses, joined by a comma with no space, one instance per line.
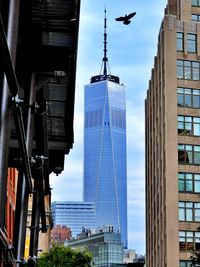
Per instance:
(120,19)
(131,15)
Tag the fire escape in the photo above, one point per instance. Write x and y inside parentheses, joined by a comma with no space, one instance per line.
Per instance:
(38,50)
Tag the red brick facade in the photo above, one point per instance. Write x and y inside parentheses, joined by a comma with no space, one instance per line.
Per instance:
(60,233)
(11,202)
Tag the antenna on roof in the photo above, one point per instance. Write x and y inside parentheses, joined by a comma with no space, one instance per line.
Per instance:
(105,59)
(105,69)
(105,64)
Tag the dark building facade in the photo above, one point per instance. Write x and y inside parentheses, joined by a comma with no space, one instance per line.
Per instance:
(38,43)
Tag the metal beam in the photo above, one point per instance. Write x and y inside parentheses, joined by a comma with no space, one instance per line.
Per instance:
(41,136)
(6,62)
(35,222)
(20,218)
(22,144)
(20,225)
(38,209)
(7,250)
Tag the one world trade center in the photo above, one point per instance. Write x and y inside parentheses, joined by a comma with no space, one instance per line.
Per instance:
(105,164)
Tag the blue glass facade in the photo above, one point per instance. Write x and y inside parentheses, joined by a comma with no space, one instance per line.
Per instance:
(74,214)
(105,178)
(106,248)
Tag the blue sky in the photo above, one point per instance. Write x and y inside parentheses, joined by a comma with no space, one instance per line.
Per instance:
(131,52)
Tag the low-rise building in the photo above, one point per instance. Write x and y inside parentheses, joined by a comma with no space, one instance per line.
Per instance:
(129,255)
(106,246)
(60,233)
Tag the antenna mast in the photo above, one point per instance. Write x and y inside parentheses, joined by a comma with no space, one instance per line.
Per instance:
(105,69)
(105,59)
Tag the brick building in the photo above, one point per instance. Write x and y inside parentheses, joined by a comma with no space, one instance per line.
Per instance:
(173,138)
(60,233)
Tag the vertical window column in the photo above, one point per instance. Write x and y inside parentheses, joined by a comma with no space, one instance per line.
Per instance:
(191,43)
(179,41)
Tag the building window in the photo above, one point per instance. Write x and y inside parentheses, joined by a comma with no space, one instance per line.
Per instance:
(189,240)
(189,211)
(188,125)
(118,118)
(93,118)
(188,70)
(179,41)
(188,154)
(185,264)
(191,43)
(195,2)
(195,17)
(189,182)
(188,97)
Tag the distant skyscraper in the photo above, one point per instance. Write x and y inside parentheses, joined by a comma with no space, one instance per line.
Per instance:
(105,178)
(74,214)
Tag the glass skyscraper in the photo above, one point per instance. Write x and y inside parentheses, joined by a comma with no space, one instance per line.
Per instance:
(105,178)
(74,214)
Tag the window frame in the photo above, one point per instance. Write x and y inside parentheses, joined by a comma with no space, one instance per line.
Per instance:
(188,70)
(180,41)
(197,17)
(189,153)
(197,4)
(190,98)
(190,211)
(187,236)
(187,181)
(184,263)
(191,43)
(190,125)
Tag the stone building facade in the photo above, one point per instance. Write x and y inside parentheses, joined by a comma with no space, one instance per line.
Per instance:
(173,139)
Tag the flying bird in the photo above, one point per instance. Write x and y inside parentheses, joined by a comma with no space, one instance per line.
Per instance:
(126,19)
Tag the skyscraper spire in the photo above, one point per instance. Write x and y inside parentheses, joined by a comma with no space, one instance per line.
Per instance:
(105,59)
(105,70)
